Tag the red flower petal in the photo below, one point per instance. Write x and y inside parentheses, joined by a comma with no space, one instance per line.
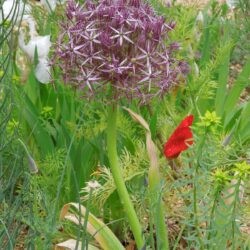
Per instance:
(180,140)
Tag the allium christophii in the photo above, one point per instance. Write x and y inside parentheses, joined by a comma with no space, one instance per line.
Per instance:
(118,42)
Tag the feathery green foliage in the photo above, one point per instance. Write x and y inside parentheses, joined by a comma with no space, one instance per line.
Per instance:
(205,191)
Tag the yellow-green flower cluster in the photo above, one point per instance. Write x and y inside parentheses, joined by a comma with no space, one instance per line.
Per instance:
(220,177)
(242,170)
(210,121)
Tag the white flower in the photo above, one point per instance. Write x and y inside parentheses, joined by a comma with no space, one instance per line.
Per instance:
(93,184)
(200,18)
(31,23)
(50,5)
(41,43)
(12,10)
(232,3)
(15,11)
(42,71)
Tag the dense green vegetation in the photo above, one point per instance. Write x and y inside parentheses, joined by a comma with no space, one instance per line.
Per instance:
(54,149)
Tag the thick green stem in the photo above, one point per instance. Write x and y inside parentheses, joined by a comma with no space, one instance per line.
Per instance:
(118,178)
(158,206)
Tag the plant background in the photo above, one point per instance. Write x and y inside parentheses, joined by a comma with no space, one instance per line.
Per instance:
(65,136)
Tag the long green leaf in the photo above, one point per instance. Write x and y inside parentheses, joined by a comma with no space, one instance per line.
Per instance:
(239,85)
(31,116)
(245,116)
(222,83)
(102,234)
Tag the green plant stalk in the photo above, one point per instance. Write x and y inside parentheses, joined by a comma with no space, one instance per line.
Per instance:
(85,235)
(179,237)
(196,220)
(157,205)
(159,219)
(217,192)
(151,231)
(118,179)
(195,208)
(236,197)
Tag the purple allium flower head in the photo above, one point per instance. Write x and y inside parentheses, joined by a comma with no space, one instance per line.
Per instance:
(118,42)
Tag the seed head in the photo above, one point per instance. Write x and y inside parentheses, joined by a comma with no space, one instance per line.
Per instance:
(118,42)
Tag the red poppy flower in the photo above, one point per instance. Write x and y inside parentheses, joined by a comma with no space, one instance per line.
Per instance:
(180,140)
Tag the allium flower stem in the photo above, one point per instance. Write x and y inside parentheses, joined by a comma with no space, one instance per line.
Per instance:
(157,206)
(119,181)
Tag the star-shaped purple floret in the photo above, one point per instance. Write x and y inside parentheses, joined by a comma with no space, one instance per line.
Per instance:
(118,42)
